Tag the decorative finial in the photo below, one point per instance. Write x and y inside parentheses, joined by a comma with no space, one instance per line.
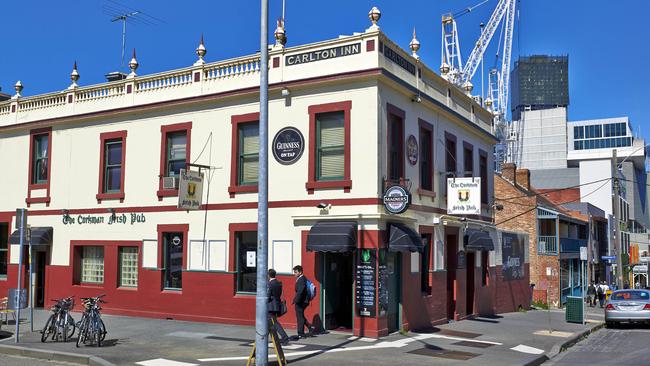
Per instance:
(444,68)
(18,88)
(74,76)
(133,65)
(468,86)
(280,34)
(414,46)
(201,51)
(374,15)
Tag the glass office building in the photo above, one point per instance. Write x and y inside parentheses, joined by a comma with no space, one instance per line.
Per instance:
(602,134)
(539,82)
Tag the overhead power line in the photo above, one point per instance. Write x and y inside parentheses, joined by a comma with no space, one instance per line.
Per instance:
(571,201)
(533,194)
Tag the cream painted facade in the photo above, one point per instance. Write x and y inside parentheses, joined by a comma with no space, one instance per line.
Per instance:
(208,96)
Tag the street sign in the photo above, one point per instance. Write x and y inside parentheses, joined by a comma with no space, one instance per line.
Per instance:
(608,257)
(583,253)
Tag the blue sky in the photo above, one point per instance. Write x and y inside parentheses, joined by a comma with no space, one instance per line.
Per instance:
(607,42)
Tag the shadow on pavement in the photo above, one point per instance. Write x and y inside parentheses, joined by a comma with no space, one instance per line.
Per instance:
(306,357)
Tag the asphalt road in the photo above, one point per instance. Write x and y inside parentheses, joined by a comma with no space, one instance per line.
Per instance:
(624,345)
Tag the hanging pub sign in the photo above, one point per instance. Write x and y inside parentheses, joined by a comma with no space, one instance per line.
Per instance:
(464,196)
(365,287)
(288,145)
(396,199)
(412,150)
(190,190)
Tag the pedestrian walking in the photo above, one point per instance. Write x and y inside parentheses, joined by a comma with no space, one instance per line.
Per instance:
(300,302)
(601,294)
(274,294)
(591,294)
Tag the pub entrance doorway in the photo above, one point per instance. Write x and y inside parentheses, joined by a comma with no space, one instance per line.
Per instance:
(470,264)
(337,293)
(451,264)
(394,268)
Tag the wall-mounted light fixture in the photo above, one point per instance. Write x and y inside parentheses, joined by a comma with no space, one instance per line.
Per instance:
(285,92)
(324,208)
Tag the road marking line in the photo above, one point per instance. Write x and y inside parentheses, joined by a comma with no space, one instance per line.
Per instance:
(164,362)
(386,344)
(527,349)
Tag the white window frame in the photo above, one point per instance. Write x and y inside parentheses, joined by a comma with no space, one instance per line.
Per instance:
(86,265)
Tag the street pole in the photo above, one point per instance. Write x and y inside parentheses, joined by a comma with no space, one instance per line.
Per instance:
(21,222)
(261,305)
(617,216)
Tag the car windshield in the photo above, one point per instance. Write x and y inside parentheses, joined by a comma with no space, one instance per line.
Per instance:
(631,295)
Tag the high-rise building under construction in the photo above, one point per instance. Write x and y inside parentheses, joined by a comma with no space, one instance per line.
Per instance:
(539,82)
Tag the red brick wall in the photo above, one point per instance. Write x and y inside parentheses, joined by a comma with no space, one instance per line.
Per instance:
(565,195)
(520,213)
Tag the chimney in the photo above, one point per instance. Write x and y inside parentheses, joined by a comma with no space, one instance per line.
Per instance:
(508,172)
(523,178)
(115,76)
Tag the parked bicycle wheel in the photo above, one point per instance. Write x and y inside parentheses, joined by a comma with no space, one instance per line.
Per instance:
(83,330)
(102,329)
(47,328)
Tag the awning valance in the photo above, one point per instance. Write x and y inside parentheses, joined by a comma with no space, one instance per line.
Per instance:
(40,236)
(477,240)
(332,236)
(404,239)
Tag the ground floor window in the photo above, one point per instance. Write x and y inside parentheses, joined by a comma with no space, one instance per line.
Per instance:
(173,260)
(246,261)
(4,239)
(425,278)
(128,266)
(92,264)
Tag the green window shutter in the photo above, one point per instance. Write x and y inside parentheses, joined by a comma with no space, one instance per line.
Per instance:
(330,146)
(249,145)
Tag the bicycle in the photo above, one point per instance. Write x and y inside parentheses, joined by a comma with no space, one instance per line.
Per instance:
(60,323)
(91,327)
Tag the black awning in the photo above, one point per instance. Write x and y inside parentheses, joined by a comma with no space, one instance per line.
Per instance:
(332,236)
(477,240)
(404,239)
(40,236)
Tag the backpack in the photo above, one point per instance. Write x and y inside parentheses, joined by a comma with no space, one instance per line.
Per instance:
(311,290)
(600,290)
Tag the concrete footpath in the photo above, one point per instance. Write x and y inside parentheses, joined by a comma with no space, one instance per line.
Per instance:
(522,338)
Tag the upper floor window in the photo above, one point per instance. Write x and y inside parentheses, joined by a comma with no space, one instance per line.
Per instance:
(329,141)
(174,156)
(426,156)
(330,146)
(468,159)
(40,158)
(176,153)
(248,153)
(111,173)
(395,148)
(112,166)
(244,162)
(450,155)
(483,171)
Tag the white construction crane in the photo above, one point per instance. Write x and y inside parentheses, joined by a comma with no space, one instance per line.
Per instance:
(499,79)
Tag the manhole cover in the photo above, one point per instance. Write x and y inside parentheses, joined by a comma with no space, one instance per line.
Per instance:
(444,353)
(473,344)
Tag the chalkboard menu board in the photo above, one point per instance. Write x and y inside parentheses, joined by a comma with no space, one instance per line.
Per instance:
(513,256)
(366,283)
(383,282)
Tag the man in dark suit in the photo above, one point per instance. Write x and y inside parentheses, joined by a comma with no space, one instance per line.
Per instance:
(301,301)
(274,293)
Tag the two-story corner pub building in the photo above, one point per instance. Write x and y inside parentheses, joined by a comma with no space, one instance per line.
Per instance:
(97,168)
